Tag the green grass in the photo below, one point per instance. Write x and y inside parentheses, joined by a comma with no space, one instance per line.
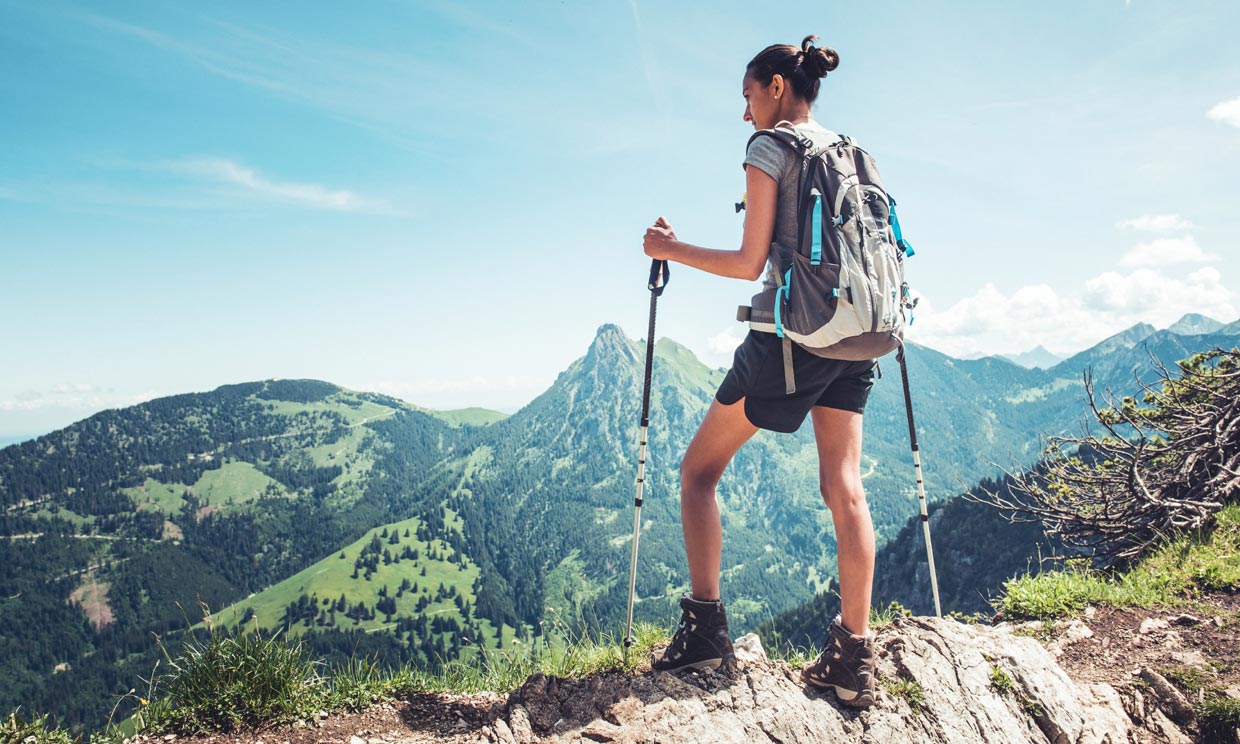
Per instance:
(164,497)
(233,483)
(566,587)
(333,576)
(1000,680)
(238,679)
(907,689)
(1204,560)
(228,679)
(39,730)
(1218,719)
(1031,395)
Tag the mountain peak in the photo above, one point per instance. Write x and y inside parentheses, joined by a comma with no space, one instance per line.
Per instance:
(1128,338)
(1194,324)
(611,343)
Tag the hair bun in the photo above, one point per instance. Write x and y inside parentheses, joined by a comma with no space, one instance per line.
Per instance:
(818,61)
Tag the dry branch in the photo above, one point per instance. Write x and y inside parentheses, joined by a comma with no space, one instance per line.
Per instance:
(1162,467)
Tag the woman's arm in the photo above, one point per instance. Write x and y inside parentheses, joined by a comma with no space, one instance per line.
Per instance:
(761,193)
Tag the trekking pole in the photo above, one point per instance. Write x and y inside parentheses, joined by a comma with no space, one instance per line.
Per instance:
(921,489)
(657,268)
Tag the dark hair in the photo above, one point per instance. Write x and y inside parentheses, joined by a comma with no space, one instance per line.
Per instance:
(802,68)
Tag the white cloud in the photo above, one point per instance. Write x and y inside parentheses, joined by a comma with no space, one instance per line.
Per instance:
(302,194)
(1166,252)
(724,342)
(1159,299)
(992,322)
(76,396)
(1157,223)
(1227,112)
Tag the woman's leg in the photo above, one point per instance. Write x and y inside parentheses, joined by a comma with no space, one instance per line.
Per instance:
(721,434)
(838,434)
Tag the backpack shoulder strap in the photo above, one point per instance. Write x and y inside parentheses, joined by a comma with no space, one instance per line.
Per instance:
(800,145)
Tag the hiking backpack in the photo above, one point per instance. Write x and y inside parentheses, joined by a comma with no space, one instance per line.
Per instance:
(843,296)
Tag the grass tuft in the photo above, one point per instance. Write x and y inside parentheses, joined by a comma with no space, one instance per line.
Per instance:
(909,690)
(1000,680)
(1185,566)
(237,678)
(39,730)
(1219,719)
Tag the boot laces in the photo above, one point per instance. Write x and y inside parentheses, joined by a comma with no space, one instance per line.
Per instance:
(684,629)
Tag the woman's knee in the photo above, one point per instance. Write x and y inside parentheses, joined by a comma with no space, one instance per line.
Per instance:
(697,476)
(843,496)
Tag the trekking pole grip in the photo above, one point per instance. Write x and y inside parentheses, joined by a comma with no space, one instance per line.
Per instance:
(658,266)
(656,287)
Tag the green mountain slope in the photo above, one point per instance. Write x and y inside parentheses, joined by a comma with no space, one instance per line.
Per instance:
(246,496)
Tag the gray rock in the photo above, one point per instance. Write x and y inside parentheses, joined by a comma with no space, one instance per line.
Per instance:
(935,685)
(1072,632)
(1171,699)
(749,648)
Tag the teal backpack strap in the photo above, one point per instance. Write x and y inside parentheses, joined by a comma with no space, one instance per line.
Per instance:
(815,250)
(901,243)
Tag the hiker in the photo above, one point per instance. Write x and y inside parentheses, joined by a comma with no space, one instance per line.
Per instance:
(779,86)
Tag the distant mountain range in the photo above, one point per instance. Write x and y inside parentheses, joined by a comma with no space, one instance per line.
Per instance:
(1191,324)
(364,524)
(1036,357)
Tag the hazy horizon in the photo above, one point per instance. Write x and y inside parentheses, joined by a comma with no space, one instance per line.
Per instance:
(17,436)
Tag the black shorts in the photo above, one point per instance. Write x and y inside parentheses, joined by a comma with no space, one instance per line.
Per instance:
(757,374)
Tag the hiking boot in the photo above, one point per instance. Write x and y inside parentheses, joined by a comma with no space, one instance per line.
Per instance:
(701,641)
(845,664)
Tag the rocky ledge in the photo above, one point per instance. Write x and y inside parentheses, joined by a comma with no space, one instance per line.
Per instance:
(942,681)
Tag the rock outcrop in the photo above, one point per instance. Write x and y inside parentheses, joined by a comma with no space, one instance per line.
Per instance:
(941,681)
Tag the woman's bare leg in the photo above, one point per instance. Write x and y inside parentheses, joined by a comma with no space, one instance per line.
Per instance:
(838,434)
(721,434)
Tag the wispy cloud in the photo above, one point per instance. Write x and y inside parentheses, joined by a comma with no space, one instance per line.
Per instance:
(1157,223)
(1166,252)
(1227,112)
(75,396)
(315,196)
(383,92)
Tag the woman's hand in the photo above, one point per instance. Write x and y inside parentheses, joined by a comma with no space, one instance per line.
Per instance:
(660,240)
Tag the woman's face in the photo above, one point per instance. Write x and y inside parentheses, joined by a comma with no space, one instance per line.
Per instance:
(761,104)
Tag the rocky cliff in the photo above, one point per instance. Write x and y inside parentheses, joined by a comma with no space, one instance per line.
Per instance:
(1111,676)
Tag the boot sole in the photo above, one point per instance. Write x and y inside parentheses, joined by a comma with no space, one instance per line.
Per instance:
(697,665)
(851,698)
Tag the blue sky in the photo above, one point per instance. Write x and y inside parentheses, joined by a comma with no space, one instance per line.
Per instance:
(443,201)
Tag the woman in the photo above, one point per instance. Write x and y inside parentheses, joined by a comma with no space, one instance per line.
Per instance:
(779,86)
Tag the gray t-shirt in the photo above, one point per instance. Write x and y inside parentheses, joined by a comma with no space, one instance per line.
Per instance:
(784,165)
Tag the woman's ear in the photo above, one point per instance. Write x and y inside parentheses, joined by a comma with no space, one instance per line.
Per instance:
(777,85)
